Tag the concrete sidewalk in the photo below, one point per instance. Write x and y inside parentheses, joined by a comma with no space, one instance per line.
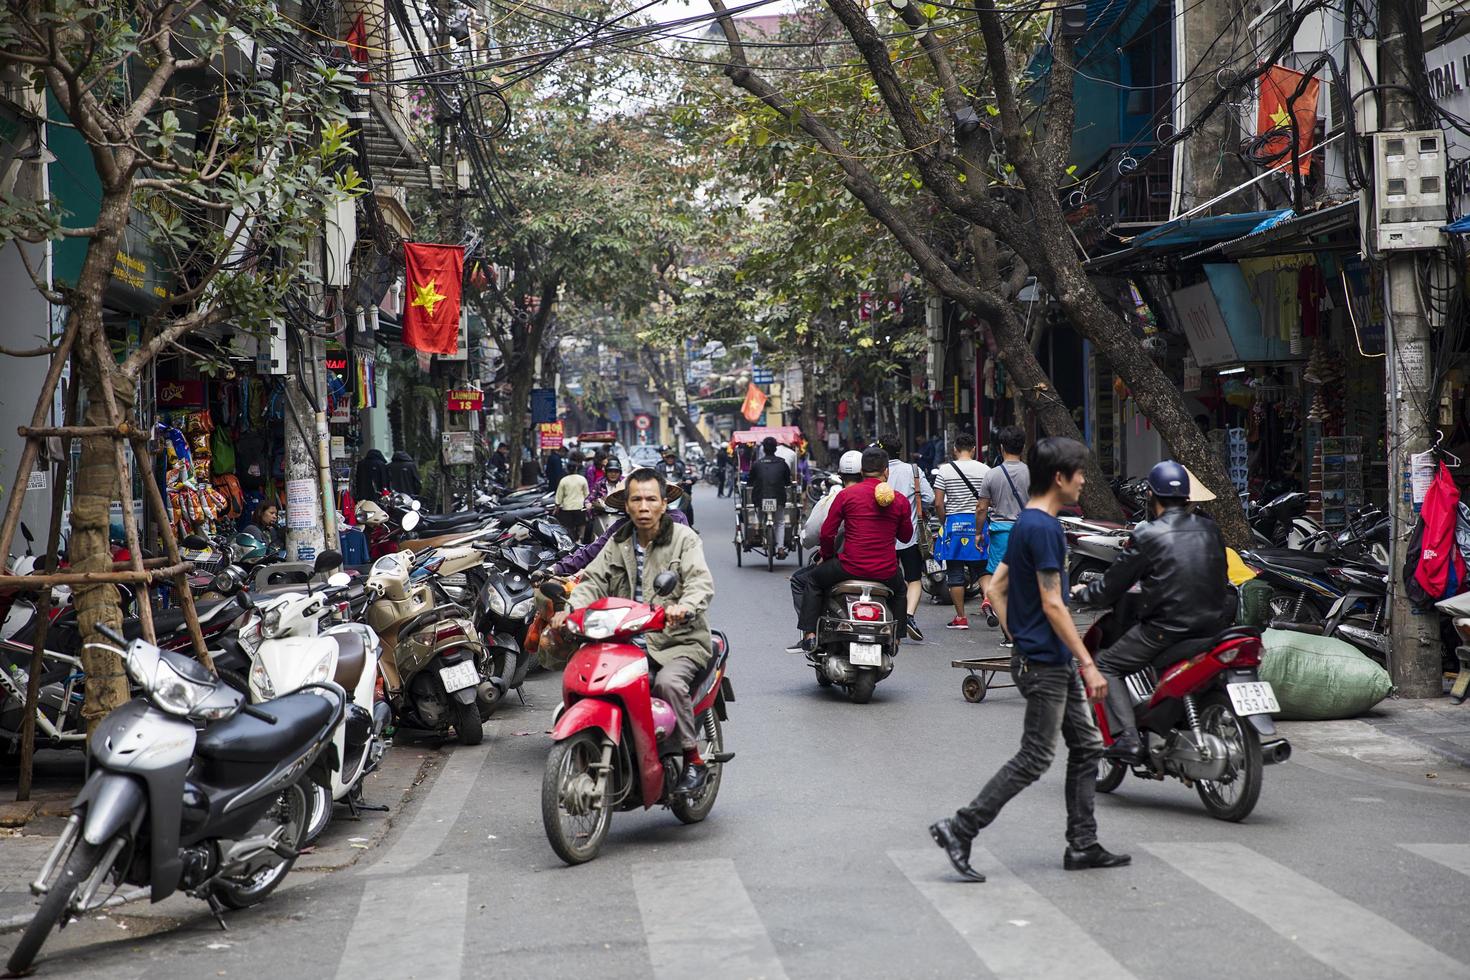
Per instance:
(23,849)
(1437,725)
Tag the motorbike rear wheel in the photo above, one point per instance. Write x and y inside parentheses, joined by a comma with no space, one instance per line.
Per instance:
(468,727)
(711,743)
(1231,799)
(575,837)
(860,691)
(255,883)
(1110,775)
(319,800)
(79,866)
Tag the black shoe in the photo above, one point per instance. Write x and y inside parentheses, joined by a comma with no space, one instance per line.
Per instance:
(914,632)
(1127,748)
(692,781)
(1093,857)
(957,848)
(804,645)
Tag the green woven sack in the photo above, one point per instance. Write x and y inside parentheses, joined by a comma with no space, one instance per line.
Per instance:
(1317,678)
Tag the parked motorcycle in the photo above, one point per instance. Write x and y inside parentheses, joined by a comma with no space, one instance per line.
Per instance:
(611,738)
(292,649)
(433,658)
(1202,712)
(190,788)
(857,639)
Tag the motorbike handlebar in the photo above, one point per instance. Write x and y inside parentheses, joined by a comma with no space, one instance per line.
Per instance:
(254,712)
(111,634)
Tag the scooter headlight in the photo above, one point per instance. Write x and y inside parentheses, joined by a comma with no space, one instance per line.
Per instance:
(523,609)
(175,693)
(261,687)
(599,624)
(322,671)
(270,622)
(497,602)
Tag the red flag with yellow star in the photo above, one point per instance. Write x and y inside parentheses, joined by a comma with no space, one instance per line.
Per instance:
(1273,116)
(431,307)
(754,404)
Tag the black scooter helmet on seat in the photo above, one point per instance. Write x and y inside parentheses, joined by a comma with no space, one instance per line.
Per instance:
(1169,479)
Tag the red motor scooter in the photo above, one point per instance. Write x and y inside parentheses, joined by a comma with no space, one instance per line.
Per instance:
(612,748)
(1201,720)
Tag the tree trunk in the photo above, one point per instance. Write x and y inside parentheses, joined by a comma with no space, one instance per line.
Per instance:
(517,412)
(816,448)
(674,399)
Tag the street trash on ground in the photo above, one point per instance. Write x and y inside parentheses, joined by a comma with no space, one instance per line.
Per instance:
(1319,678)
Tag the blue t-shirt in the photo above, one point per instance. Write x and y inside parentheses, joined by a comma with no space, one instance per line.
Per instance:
(1037,544)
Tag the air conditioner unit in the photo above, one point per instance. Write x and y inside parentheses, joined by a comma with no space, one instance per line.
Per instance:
(1411,200)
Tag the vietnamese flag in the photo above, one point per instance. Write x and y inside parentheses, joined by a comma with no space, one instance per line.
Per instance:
(431,311)
(1274,117)
(357,45)
(754,404)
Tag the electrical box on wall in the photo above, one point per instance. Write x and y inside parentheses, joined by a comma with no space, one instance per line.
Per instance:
(270,355)
(1411,199)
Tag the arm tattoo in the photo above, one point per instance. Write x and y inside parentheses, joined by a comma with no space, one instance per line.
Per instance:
(1050,581)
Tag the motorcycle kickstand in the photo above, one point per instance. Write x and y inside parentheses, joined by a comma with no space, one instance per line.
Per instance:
(217,909)
(356,805)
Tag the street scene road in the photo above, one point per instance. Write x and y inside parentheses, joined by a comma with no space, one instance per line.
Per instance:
(816,863)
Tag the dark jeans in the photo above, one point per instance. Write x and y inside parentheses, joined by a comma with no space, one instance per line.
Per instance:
(809,587)
(1055,701)
(1131,652)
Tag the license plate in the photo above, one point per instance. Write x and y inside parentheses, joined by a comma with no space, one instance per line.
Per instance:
(459,676)
(866,654)
(932,567)
(769,506)
(1254,698)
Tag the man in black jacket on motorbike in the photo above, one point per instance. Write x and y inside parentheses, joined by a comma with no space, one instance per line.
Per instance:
(1178,560)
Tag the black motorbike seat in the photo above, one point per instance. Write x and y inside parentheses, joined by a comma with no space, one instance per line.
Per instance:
(167,621)
(1193,646)
(351,657)
(1300,561)
(449,522)
(856,586)
(242,738)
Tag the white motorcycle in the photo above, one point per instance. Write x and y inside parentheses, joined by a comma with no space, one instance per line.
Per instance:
(289,648)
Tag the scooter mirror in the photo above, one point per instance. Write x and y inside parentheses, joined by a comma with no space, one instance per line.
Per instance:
(411,519)
(666,582)
(554,590)
(416,505)
(26,532)
(339,580)
(327,560)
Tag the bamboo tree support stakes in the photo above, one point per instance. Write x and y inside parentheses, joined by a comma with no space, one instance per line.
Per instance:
(43,607)
(102,351)
(32,447)
(171,550)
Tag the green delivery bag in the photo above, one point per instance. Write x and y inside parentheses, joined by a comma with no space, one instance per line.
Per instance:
(1317,678)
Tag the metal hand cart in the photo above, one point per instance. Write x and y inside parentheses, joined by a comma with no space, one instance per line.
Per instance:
(980,675)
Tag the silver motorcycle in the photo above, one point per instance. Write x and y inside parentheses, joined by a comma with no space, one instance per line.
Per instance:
(191,788)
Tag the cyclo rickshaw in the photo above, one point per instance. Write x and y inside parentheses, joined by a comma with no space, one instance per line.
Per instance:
(757,529)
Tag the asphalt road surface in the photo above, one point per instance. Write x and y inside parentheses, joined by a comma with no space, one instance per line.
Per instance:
(816,863)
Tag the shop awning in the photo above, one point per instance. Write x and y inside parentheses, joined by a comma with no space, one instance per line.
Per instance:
(1182,233)
(785,434)
(1287,235)
(1460,226)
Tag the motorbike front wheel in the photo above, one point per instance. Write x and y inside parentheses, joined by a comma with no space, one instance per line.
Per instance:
(693,809)
(78,868)
(1234,797)
(576,824)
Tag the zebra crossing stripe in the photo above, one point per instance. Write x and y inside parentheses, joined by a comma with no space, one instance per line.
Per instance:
(408,927)
(438,813)
(699,922)
(1334,930)
(1456,857)
(1016,932)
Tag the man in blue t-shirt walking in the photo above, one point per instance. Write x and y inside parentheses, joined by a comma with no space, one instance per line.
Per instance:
(1028,596)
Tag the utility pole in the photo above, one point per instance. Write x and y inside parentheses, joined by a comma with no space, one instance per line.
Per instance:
(1204,39)
(1414,658)
(306,532)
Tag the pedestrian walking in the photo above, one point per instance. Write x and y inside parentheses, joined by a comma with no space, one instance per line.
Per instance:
(1052,670)
(909,480)
(961,544)
(571,501)
(1003,496)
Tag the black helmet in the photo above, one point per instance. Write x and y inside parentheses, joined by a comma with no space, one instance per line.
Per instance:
(1169,479)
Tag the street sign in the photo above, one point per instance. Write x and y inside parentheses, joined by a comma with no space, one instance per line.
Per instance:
(552,434)
(464,400)
(543,405)
(762,376)
(643,423)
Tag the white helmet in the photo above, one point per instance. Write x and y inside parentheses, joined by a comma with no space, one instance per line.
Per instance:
(851,463)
